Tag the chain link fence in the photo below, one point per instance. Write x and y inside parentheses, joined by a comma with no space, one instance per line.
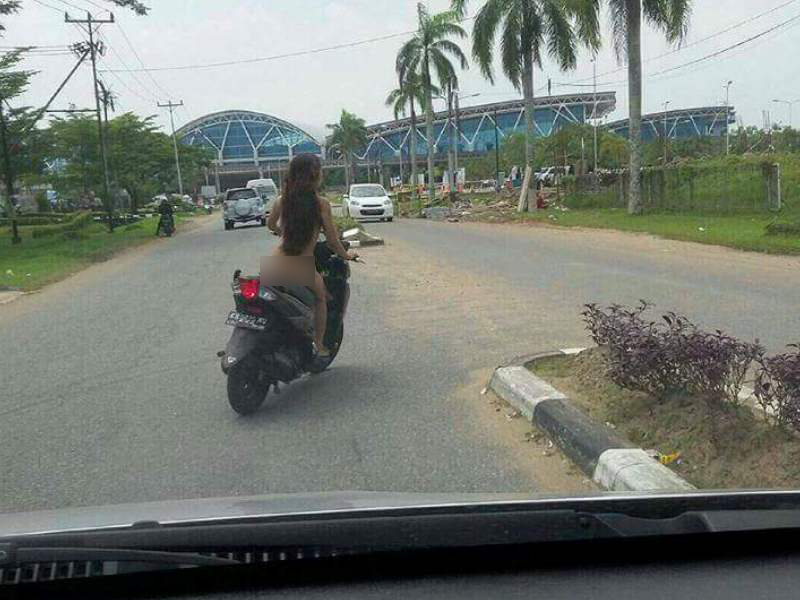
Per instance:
(743,188)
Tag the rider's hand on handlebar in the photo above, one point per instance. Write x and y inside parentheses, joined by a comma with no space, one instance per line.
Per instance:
(352,256)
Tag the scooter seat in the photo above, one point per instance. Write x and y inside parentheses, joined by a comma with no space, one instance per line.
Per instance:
(304,294)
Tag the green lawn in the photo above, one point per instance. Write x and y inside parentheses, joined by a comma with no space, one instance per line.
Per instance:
(37,262)
(745,232)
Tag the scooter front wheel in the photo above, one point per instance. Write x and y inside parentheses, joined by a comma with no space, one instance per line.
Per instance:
(246,389)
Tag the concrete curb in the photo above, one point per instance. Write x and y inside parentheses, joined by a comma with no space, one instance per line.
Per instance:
(611,461)
(9,297)
(363,244)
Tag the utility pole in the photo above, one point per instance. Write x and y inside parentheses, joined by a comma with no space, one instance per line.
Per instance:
(9,177)
(666,133)
(594,111)
(89,21)
(451,175)
(496,154)
(171,106)
(108,100)
(457,132)
(727,118)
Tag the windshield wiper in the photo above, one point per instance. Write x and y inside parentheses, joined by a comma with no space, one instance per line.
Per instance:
(89,554)
(30,564)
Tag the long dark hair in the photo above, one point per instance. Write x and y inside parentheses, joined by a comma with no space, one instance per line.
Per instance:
(300,216)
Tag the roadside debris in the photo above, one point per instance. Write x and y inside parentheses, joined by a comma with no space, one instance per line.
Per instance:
(360,238)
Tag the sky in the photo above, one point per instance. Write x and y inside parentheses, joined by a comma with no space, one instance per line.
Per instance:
(311,90)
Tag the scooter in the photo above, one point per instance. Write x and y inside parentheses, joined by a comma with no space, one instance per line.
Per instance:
(273,332)
(166,225)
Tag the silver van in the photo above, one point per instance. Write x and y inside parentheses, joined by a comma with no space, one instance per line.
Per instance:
(267,189)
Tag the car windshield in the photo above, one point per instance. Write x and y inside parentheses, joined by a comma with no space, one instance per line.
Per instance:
(242,194)
(367,191)
(578,246)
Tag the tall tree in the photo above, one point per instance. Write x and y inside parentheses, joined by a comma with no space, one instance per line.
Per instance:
(13,82)
(430,52)
(349,134)
(142,155)
(668,16)
(527,29)
(408,95)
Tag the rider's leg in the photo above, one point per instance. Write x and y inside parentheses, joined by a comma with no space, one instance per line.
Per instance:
(320,313)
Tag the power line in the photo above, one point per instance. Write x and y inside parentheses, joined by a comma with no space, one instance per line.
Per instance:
(139,58)
(732,47)
(279,56)
(133,74)
(701,59)
(71,5)
(50,6)
(736,25)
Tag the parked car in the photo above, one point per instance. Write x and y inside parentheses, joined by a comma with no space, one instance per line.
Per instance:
(242,205)
(369,201)
(547,176)
(268,191)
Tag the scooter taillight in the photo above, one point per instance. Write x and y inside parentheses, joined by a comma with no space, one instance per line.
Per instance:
(249,288)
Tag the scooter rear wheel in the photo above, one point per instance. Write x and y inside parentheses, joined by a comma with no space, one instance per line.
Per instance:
(246,390)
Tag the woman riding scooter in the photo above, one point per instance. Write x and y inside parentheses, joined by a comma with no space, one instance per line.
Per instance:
(303,213)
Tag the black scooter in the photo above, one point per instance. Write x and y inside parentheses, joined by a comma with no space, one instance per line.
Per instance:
(166,225)
(273,331)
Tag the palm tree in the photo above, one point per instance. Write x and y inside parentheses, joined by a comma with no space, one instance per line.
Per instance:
(349,134)
(410,93)
(429,52)
(526,28)
(672,18)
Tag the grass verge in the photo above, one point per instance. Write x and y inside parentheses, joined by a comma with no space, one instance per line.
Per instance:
(36,262)
(744,232)
(721,446)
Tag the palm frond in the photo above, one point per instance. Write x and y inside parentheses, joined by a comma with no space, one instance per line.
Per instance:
(459,7)
(445,72)
(618,15)
(560,37)
(449,47)
(586,15)
(512,49)
(483,35)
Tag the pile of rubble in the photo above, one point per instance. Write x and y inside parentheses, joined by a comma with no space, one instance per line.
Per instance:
(501,208)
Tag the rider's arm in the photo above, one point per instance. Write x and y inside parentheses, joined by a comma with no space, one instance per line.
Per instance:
(331,233)
(274,215)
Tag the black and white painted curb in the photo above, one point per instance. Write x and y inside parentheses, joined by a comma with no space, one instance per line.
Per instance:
(611,461)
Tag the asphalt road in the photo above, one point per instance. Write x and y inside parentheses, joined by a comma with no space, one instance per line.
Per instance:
(111,390)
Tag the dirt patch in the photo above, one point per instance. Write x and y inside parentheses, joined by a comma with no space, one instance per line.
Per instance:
(530,451)
(721,446)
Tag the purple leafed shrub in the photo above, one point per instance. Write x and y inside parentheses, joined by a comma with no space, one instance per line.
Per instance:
(671,355)
(777,386)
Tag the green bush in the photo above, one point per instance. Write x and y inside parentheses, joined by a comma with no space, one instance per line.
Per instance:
(80,221)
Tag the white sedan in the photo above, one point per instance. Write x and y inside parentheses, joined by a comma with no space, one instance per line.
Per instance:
(369,201)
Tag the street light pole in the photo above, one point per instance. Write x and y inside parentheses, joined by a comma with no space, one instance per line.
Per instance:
(727,118)
(790,104)
(666,133)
